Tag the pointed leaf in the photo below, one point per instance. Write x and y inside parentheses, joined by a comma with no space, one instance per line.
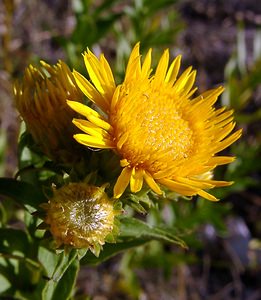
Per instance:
(57,266)
(133,233)
(23,193)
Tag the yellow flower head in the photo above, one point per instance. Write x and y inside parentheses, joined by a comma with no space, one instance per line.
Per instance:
(81,216)
(163,135)
(41,101)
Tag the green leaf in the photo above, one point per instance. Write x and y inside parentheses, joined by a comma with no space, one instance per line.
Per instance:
(4,283)
(17,263)
(154,6)
(106,6)
(66,284)
(133,233)
(110,250)
(22,193)
(49,259)
(65,259)
(140,202)
(132,228)
(13,240)
(61,270)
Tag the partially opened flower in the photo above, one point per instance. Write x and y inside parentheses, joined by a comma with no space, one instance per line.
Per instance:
(81,216)
(41,101)
(162,134)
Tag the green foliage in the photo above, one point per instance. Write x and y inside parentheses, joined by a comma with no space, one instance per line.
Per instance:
(60,272)
(153,232)
(28,255)
(93,22)
(242,78)
(25,194)
(134,232)
(118,25)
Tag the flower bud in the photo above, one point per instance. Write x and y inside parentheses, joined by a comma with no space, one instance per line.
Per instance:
(41,101)
(81,216)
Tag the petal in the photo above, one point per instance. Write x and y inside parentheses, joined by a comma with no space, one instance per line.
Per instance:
(173,70)
(228,141)
(134,66)
(223,123)
(220,183)
(225,132)
(94,142)
(122,140)
(211,99)
(182,80)
(136,180)
(223,116)
(207,196)
(220,116)
(122,182)
(191,92)
(151,183)
(93,67)
(82,109)
(162,67)
(133,72)
(89,91)
(90,128)
(178,187)
(210,94)
(197,183)
(115,97)
(107,71)
(221,160)
(146,67)
(189,83)
(99,122)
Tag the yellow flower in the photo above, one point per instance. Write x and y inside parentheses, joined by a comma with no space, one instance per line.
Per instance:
(41,101)
(162,134)
(81,216)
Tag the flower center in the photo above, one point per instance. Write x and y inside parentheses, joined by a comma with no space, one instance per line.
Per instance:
(149,128)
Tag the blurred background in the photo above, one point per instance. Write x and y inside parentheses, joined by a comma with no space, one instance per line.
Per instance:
(221,39)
